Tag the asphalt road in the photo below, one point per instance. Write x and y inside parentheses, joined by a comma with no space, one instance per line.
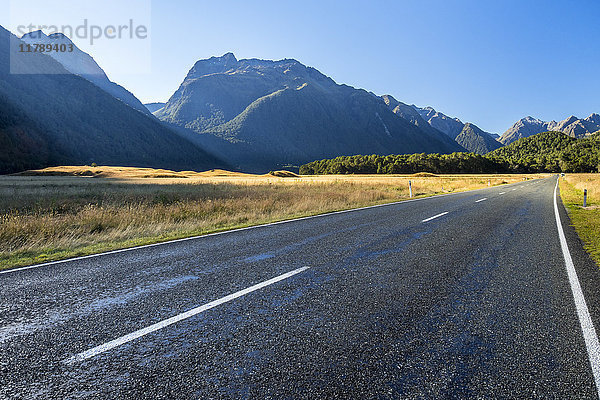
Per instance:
(459,296)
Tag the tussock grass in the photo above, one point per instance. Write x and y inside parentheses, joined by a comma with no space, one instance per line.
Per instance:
(45,218)
(284,174)
(585,220)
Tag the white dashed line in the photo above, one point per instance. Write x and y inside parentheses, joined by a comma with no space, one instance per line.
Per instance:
(485,198)
(587,326)
(502,193)
(153,328)
(434,217)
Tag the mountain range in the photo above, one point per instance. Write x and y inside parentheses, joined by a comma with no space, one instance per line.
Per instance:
(58,117)
(261,114)
(468,135)
(252,115)
(572,126)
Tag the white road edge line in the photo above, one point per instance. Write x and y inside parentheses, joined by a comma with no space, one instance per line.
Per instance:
(434,217)
(485,198)
(587,326)
(8,271)
(170,321)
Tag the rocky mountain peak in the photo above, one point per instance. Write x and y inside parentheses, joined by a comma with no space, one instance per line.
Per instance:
(34,35)
(531,120)
(570,120)
(60,36)
(213,65)
(571,126)
(593,118)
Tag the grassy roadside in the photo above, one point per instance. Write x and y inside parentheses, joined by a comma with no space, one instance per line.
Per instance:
(585,220)
(56,217)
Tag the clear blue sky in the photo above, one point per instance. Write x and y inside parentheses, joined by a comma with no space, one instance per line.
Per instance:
(487,62)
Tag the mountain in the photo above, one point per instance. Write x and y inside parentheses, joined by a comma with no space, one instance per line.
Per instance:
(153,107)
(80,63)
(450,126)
(23,144)
(523,128)
(59,118)
(410,114)
(261,115)
(468,136)
(475,140)
(572,126)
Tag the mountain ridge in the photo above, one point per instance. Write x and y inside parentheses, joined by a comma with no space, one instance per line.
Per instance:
(571,126)
(468,136)
(265,114)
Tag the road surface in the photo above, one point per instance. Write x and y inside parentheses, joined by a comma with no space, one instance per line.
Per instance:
(458,296)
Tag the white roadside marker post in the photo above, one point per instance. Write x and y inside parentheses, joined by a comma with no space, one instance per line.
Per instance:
(584,198)
(410,189)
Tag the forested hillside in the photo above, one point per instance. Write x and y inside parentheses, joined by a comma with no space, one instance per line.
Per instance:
(545,152)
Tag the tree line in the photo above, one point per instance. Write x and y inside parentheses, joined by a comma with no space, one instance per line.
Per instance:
(544,152)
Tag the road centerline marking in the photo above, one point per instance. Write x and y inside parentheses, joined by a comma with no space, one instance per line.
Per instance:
(485,198)
(585,320)
(502,193)
(170,321)
(434,217)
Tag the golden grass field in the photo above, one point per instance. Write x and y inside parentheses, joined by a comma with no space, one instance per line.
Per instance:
(63,212)
(585,220)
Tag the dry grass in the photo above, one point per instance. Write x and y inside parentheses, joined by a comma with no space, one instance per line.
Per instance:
(50,217)
(130,172)
(585,220)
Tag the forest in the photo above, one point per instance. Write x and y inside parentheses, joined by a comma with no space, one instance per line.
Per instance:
(544,152)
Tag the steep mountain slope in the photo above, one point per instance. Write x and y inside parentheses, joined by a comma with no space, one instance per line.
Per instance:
(450,126)
(59,117)
(477,141)
(576,127)
(262,114)
(571,126)
(523,128)
(80,63)
(22,142)
(409,113)
(468,135)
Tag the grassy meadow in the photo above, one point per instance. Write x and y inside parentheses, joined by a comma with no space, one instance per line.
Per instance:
(585,220)
(64,212)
